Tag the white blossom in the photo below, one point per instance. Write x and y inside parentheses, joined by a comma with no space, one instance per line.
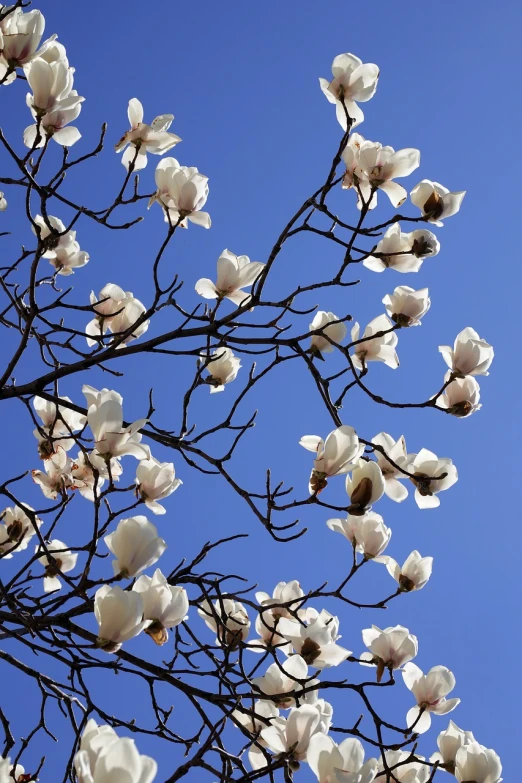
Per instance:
(283,593)
(228,619)
(64,561)
(426,468)
(83,478)
(406,306)
(56,421)
(116,311)
(223,367)
(476,764)
(390,648)
(430,691)
(470,354)
(461,396)
(51,79)
(233,274)
(57,477)
(449,742)
(143,138)
(352,81)
(61,247)
(435,201)
(267,620)
(364,486)
(251,718)
(325,323)
(136,546)
(335,456)
(343,763)
(315,642)
(413,574)
(94,739)
(53,123)
(17,528)
(403,252)
(396,451)
(105,418)
(291,735)
(3,202)
(164,604)
(20,36)
(403,770)
(281,680)
(118,761)
(182,192)
(119,614)
(373,348)
(154,481)
(368,534)
(380,166)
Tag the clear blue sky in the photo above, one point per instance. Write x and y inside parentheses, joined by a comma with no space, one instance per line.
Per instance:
(242,81)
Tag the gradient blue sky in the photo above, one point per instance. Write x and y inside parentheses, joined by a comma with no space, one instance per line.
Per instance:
(241,79)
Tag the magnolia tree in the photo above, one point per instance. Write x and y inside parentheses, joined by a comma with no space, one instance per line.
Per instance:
(244,686)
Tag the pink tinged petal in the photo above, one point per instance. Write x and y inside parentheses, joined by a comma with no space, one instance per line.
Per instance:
(67,136)
(448,705)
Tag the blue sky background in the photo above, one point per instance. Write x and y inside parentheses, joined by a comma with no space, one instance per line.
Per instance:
(241,79)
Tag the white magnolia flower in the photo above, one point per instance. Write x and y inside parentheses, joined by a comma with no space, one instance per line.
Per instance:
(283,593)
(291,735)
(364,486)
(94,739)
(233,274)
(63,561)
(252,718)
(223,367)
(154,481)
(57,478)
(83,473)
(435,201)
(449,742)
(323,707)
(430,691)
(182,192)
(470,354)
(119,614)
(390,648)
(403,252)
(403,770)
(3,202)
(426,468)
(406,306)
(61,247)
(282,680)
(143,138)
(20,36)
(52,124)
(316,641)
(325,323)
(396,451)
(373,348)
(17,528)
(105,418)
(118,761)
(51,79)
(476,764)
(116,311)
(368,534)
(136,546)
(380,166)
(164,604)
(266,625)
(352,81)
(461,396)
(228,619)
(413,574)
(56,421)
(343,763)
(335,456)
